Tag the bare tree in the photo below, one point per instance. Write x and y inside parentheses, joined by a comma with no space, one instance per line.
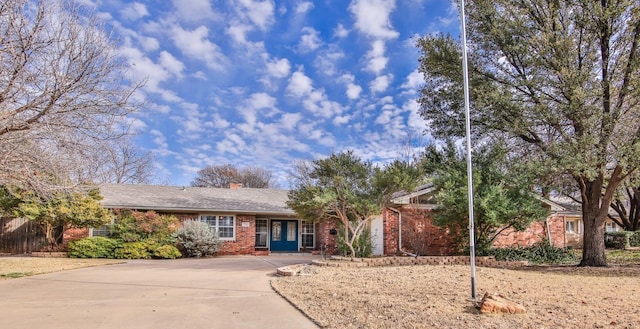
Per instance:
(256,177)
(63,87)
(116,161)
(222,176)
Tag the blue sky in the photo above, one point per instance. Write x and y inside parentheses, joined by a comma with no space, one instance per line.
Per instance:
(267,83)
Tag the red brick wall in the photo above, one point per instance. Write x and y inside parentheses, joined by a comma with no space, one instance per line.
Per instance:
(323,238)
(245,242)
(390,226)
(536,232)
(418,228)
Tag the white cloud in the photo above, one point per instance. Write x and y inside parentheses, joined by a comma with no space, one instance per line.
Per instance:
(149,44)
(321,136)
(219,122)
(353,91)
(381,83)
(309,41)
(257,104)
(162,147)
(299,85)
(143,67)
(327,63)
(414,121)
(195,10)
(346,78)
(195,44)
(136,125)
(260,13)
(414,82)
(238,32)
(172,64)
(134,11)
(444,21)
(372,18)
(304,7)
(340,120)
(376,59)
(262,101)
(279,68)
(340,32)
(290,120)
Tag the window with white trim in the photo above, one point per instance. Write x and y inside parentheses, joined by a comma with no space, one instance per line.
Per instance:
(224,225)
(261,233)
(308,235)
(570,226)
(104,230)
(611,227)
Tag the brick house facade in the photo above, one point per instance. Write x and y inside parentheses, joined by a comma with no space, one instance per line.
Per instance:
(260,216)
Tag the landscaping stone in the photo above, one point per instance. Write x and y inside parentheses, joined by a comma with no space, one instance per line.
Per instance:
(498,304)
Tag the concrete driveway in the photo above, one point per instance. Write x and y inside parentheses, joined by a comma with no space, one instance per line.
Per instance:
(221,292)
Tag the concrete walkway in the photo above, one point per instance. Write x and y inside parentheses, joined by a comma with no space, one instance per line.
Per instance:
(221,292)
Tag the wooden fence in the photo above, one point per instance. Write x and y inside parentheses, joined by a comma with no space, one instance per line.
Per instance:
(20,236)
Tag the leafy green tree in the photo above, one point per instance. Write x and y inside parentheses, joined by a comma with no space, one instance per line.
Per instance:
(345,189)
(559,80)
(502,199)
(56,215)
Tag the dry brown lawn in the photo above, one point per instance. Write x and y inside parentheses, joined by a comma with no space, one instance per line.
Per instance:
(423,296)
(435,296)
(13,267)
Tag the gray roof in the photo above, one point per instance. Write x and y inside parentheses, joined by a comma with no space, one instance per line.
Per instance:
(195,199)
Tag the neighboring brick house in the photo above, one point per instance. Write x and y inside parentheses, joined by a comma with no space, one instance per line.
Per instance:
(407,223)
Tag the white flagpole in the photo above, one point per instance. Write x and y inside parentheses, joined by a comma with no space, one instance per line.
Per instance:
(465,71)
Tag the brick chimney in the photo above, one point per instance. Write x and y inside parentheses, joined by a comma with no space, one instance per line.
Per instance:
(235,186)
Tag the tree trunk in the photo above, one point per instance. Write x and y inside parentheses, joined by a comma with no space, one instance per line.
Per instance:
(347,241)
(593,217)
(593,239)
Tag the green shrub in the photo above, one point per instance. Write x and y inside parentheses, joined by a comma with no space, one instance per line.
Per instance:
(96,247)
(167,252)
(539,253)
(196,239)
(132,250)
(616,240)
(634,239)
(363,245)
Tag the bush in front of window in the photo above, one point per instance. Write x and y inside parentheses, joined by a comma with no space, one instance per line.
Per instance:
(136,226)
(96,247)
(196,239)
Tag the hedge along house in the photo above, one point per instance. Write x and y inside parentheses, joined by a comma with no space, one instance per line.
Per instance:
(249,220)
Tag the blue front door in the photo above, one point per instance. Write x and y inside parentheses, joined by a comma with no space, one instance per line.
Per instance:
(284,235)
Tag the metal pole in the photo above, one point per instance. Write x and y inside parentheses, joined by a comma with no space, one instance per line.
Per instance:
(465,71)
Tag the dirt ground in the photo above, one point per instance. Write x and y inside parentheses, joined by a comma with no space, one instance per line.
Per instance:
(440,296)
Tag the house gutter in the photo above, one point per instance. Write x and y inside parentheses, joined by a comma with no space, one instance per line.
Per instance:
(400,233)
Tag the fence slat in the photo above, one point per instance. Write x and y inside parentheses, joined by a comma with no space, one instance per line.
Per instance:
(20,236)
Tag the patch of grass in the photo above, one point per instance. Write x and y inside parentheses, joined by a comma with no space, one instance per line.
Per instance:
(16,275)
(623,257)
